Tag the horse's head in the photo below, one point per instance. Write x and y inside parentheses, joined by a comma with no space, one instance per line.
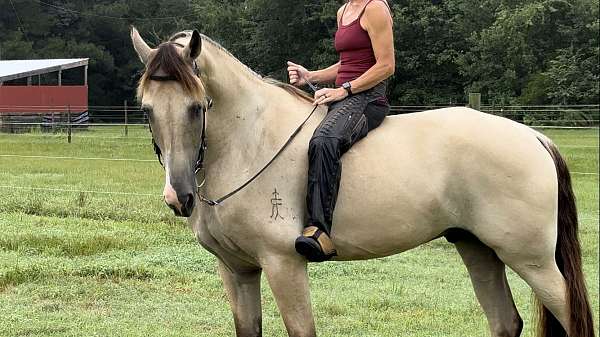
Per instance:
(174,98)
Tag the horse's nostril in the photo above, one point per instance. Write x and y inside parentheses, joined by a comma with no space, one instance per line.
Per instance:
(188,204)
(190,201)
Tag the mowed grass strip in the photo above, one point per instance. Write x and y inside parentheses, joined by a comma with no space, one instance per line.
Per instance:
(74,264)
(78,247)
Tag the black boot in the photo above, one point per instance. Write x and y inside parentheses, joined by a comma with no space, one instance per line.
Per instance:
(315,245)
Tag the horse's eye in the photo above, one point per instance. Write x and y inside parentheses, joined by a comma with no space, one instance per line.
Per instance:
(196,110)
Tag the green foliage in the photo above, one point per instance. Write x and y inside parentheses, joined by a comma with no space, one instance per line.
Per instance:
(525,41)
(537,51)
(573,76)
(536,90)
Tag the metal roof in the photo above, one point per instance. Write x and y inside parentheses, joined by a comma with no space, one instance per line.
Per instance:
(14,69)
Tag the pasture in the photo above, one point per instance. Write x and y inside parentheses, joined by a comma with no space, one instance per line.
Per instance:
(97,264)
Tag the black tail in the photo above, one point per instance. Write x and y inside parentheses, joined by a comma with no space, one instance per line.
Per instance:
(568,259)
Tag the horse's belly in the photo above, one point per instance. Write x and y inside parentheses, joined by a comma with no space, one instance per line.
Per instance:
(388,202)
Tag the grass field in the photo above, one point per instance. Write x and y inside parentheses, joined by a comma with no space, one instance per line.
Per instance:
(87,264)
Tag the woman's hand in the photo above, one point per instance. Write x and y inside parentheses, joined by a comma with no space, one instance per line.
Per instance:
(327,95)
(297,73)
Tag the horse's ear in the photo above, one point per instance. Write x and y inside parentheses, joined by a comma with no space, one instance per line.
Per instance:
(193,49)
(140,46)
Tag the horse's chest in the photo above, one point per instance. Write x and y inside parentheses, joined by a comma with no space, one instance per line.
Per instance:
(225,243)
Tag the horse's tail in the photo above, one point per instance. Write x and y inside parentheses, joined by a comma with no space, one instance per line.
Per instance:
(568,259)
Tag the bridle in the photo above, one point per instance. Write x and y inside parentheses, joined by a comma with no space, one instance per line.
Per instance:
(199,166)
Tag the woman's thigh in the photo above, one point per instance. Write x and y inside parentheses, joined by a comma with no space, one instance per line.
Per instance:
(348,121)
(341,119)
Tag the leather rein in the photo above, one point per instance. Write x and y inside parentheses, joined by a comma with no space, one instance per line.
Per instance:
(199,166)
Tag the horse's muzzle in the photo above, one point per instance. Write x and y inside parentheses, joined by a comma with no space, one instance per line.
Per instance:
(184,207)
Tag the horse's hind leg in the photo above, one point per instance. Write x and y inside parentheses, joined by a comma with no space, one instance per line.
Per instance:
(491,287)
(548,284)
(531,254)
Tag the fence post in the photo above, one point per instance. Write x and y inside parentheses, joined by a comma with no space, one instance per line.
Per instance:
(69,124)
(475,100)
(125,108)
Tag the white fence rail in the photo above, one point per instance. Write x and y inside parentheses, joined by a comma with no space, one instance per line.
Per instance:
(57,119)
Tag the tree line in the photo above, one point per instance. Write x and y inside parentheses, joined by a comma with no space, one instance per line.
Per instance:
(512,52)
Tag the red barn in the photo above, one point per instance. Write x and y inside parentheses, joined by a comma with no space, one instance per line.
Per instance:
(23,92)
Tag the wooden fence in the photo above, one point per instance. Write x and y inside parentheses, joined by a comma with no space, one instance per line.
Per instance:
(60,119)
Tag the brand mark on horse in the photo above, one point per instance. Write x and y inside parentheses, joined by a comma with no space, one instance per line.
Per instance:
(276,201)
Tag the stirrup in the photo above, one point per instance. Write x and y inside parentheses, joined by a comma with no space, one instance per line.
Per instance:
(315,245)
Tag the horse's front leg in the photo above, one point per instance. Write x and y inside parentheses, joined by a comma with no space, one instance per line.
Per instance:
(288,280)
(243,290)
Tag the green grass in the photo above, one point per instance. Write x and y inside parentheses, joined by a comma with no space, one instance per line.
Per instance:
(85,264)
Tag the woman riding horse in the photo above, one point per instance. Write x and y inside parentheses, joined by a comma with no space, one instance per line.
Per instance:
(364,40)
(499,189)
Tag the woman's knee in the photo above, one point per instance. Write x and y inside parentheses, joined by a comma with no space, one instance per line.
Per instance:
(322,144)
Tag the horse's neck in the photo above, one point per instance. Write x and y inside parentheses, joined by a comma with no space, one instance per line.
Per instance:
(236,94)
(224,76)
(247,122)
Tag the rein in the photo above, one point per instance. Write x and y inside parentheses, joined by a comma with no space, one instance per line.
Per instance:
(216,202)
(203,146)
(211,202)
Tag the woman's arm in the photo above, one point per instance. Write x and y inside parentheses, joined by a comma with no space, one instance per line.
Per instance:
(326,75)
(298,74)
(377,21)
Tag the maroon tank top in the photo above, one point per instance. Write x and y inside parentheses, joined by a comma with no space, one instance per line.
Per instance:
(353,44)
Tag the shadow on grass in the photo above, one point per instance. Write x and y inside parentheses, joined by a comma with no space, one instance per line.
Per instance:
(92,207)
(68,245)
(44,331)
(17,275)
(114,273)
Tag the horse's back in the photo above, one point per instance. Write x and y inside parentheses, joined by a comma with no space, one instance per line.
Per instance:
(419,174)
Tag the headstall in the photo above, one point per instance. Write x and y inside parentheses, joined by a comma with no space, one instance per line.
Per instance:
(199,165)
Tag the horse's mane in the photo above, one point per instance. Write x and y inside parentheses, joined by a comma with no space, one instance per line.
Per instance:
(285,86)
(289,88)
(168,60)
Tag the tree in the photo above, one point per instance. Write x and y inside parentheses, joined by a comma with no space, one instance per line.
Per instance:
(573,77)
(518,50)
(509,56)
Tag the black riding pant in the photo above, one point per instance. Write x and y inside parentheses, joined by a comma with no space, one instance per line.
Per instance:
(347,122)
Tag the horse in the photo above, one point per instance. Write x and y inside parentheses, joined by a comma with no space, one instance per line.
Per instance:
(498,190)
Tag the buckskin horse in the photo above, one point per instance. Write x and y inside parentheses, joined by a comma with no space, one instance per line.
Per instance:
(500,191)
